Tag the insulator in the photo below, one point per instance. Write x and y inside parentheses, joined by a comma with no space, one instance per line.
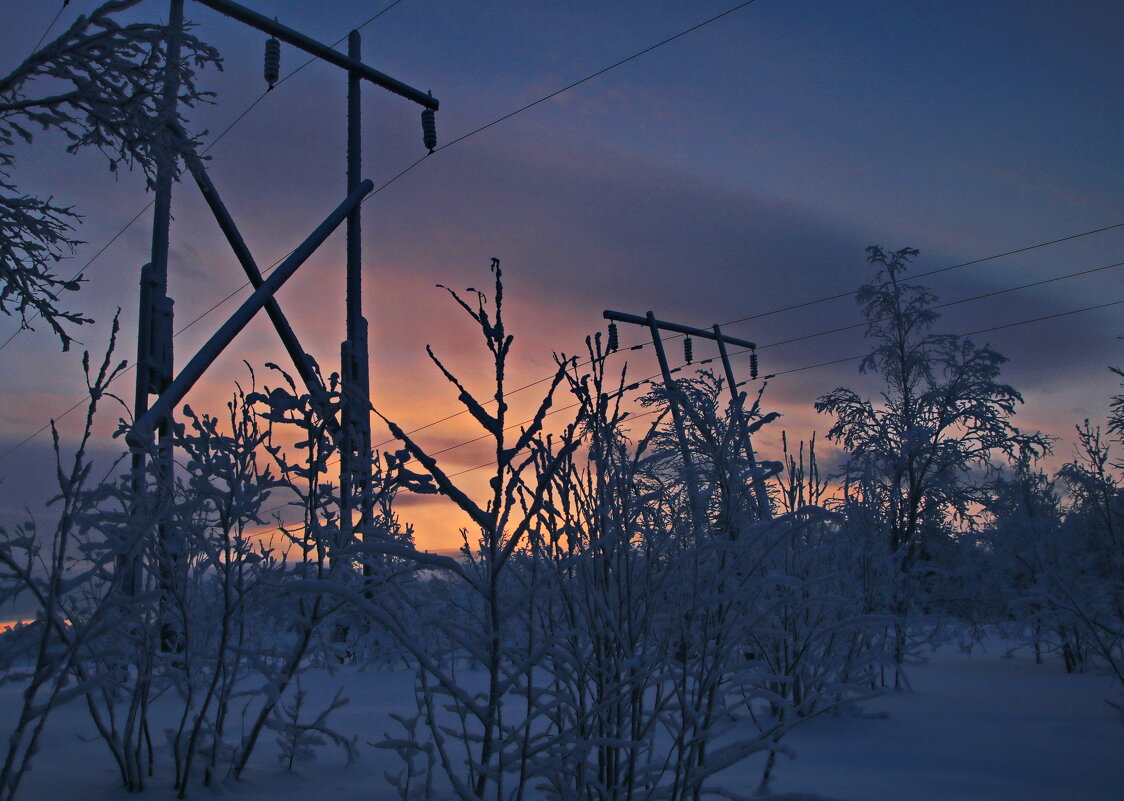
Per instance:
(272,61)
(614,339)
(688,350)
(753,364)
(429,129)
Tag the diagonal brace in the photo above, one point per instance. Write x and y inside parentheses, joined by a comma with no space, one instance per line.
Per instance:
(141,432)
(288,337)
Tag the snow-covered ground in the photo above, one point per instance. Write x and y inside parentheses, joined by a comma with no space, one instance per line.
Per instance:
(973,728)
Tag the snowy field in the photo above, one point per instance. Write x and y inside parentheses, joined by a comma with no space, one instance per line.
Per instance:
(975,728)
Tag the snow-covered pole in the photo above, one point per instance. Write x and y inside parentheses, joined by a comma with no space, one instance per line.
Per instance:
(154,325)
(764,508)
(141,432)
(354,434)
(680,431)
(650,322)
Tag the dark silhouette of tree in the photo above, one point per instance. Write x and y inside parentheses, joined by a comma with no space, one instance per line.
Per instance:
(99,84)
(942,415)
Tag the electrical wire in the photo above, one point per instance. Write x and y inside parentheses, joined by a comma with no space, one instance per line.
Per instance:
(214,141)
(1056,278)
(841,361)
(49,27)
(543,380)
(791,371)
(939,270)
(566,88)
(983,296)
(453,415)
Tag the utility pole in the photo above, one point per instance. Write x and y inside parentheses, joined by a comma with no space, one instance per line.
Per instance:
(737,399)
(737,404)
(355,445)
(154,365)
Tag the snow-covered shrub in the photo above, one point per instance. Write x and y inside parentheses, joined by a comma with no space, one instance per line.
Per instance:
(298,739)
(480,740)
(603,646)
(87,640)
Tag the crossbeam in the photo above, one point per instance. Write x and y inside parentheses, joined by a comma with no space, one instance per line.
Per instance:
(702,333)
(322,51)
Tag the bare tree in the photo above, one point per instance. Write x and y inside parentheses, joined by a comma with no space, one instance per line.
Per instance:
(99,84)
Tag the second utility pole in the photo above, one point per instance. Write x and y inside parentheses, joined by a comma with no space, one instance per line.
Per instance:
(654,326)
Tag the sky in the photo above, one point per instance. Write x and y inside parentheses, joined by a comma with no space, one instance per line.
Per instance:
(739,169)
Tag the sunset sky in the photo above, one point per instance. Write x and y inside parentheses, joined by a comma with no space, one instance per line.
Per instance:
(737,170)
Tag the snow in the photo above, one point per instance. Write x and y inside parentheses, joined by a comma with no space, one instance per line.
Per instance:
(980,726)
(974,727)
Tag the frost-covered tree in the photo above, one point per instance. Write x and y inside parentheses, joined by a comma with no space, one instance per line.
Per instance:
(100,85)
(1087,591)
(1021,541)
(1116,414)
(941,416)
(1098,498)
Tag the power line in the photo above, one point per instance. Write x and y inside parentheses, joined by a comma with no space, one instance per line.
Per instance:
(851,327)
(764,378)
(203,152)
(934,272)
(566,88)
(1076,274)
(950,303)
(983,260)
(839,361)
(50,25)
(636,384)
(985,295)
(820,364)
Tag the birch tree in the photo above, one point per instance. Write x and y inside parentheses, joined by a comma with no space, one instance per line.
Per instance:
(941,415)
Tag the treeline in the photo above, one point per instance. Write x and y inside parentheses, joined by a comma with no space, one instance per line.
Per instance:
(629,615)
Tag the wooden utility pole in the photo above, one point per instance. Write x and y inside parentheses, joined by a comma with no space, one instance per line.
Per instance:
(154,365)
(737,400)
